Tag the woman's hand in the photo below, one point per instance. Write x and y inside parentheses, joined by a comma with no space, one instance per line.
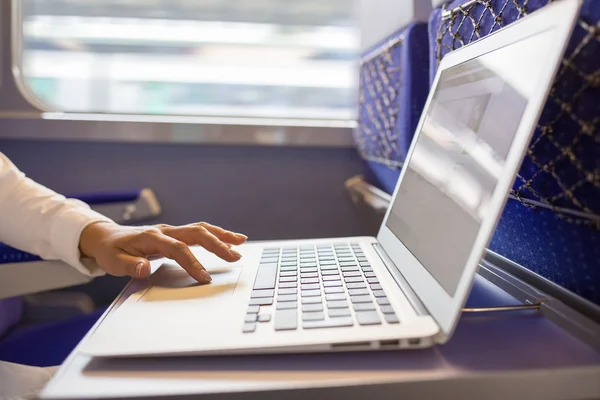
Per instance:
(122,250)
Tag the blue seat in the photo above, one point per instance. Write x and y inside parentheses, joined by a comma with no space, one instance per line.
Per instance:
(551,223)
(45,345)
(393,90)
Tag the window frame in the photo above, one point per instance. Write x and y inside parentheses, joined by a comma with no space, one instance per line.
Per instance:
(152,127)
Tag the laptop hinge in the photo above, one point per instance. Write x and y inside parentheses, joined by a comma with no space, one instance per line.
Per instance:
(412,297)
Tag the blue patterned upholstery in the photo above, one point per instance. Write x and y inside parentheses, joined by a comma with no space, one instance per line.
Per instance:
(393,90)
(552,221)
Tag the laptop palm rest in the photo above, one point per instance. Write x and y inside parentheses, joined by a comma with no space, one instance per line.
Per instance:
(170,282)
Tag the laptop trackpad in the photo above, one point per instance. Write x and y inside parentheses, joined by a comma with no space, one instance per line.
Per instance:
(171,282)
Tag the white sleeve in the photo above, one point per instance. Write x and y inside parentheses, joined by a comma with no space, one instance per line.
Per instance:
(40,221)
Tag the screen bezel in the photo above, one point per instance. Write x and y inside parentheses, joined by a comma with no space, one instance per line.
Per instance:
(560,17)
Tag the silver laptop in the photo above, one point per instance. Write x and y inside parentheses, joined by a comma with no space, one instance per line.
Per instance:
(403,289)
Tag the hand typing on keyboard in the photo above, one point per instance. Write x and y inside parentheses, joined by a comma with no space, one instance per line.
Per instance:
(122,250)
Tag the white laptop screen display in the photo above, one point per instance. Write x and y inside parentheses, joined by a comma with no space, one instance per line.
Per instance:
(458,158)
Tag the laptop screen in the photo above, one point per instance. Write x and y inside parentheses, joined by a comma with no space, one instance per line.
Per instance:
(460,153)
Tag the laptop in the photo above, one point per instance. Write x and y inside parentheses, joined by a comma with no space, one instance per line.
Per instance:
(406,287)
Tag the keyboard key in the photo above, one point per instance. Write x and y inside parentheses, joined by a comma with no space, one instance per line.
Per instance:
(313,316)
(353,279)
(311,300)
(370,275)
(372,280)
(383,301)
(358,292)
(265,301)
(253,309)
(362,259)
(310,286)
(330,323)
(364,307)
(356,285)
(387,309)
(287,297)
(307,264)
(288,273)
(283,285)
(327,261)
(289,269)
(348,274)
(309,275)
(368,318)
(286,320)
(250,318)
(249,327)
(360,299)
(378,293)
(330,290)
(367,269)
(311,293)
(287,279)
(391,318)
(312,307)
(305,281)
(292,305)
(335,296)
(287,291)
(337,304)
(376,286)
(334,272)
(264,317)
(345,269)
(265,277)
(335,283)
(289,264)
(339,312)
(329,267)
(262,293)
(311,269)
(347,263)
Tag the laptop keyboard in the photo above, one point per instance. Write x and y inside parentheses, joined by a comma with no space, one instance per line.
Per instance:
(313,287)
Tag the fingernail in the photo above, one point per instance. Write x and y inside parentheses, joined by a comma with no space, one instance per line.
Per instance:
(235,253)
(138,268)
(241,236)
(205,275)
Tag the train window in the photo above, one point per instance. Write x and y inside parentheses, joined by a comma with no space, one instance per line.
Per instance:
(245,58)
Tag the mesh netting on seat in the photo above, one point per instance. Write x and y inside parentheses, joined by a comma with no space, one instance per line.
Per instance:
(392,92)
(377,138)
(561,170)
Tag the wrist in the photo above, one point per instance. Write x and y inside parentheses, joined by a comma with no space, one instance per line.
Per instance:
(92,237)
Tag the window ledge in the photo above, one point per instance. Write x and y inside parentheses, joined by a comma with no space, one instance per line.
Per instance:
(175,129)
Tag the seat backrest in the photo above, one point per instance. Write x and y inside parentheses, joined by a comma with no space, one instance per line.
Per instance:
(551,223)
(392,92)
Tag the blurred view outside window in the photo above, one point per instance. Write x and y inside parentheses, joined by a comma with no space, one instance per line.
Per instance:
(250,58)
